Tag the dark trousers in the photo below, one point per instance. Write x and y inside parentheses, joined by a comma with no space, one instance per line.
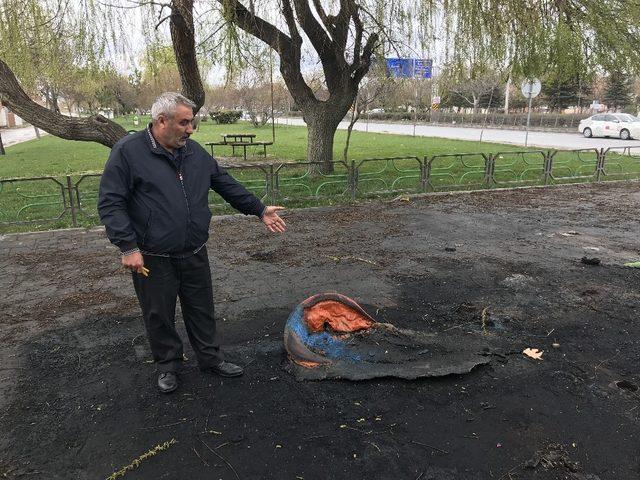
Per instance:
(188,278)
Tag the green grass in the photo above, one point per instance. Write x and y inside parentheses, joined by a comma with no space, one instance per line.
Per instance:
(54,156)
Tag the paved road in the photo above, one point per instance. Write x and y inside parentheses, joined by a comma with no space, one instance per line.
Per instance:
(11,136)
(569,141)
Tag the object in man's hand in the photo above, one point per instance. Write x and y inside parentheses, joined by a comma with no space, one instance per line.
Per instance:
(145,271)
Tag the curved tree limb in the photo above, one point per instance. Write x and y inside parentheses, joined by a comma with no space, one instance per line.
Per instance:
(340,22)
(362,66)
(289,49)
(319,38)
(287,11)
(93,129)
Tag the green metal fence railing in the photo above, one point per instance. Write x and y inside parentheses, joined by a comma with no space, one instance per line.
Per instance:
(71,200)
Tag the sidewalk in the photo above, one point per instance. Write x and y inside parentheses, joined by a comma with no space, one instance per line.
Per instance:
(11,136)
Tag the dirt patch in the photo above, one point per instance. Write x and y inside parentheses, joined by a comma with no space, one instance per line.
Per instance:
(78,397)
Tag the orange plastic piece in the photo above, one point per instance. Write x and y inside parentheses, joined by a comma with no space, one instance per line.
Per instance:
(306,364)
(337,315)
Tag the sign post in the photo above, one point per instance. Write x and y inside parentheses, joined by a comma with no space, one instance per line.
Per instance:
(530,89)
(415,68)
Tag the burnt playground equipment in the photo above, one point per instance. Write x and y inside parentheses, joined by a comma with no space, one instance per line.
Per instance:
(330,336)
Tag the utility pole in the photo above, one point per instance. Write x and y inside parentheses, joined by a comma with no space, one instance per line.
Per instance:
(415,107)
(507,91)
(2,152)
(273,118)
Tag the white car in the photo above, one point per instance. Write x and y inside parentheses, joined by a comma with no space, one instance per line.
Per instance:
(621,125)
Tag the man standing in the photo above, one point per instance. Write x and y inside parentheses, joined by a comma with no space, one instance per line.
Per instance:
(154,204)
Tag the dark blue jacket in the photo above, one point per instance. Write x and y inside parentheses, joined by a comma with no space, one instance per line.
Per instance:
(151,201)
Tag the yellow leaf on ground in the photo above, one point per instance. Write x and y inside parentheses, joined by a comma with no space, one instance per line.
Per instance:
(533,353)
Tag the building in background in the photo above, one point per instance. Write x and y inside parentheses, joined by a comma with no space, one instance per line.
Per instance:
(8,118)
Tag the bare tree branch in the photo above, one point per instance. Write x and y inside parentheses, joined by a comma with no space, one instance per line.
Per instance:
(288,49)
(341,23)
(94,129)
(287,11)
(316,34)
(365,59)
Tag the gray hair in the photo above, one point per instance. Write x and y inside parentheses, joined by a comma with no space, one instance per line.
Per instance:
(166,104)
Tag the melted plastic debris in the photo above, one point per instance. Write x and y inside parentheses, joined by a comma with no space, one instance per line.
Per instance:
(331,336)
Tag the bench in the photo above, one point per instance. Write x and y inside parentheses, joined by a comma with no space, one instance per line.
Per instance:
(242,144)
(237,137)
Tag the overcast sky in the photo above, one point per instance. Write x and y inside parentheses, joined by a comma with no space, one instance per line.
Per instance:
(138,26)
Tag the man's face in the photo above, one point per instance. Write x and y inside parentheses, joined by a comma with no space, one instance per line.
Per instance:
(173,130)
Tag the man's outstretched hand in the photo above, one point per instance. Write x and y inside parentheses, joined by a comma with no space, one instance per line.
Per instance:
(272,220)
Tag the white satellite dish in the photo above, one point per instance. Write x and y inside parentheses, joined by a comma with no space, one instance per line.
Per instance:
(531,88)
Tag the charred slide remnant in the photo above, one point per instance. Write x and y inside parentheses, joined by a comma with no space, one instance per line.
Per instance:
(330,336)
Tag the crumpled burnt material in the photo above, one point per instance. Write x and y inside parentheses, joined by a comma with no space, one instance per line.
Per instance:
(331,336)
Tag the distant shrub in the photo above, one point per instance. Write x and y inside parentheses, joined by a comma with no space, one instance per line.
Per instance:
(226,117)
(549,120)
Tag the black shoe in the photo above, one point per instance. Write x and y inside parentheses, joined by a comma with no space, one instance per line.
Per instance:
(225,369)
(167,382)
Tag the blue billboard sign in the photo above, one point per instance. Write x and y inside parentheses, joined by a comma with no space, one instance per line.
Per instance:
(409,67)
(422,68)
(400,67)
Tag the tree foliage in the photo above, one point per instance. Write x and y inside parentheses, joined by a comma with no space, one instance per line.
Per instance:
(560,92)
(507,38)
(619,90)
(483,91)
(46,43)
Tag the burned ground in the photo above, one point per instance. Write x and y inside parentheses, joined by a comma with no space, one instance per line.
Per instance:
(78,399)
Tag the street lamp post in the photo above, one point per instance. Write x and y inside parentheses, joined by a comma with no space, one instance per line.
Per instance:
(273,118)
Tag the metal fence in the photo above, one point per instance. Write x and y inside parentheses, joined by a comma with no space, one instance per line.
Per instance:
(517,121)
(71,200)
(493,119)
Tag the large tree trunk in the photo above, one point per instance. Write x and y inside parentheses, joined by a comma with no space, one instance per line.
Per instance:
(329,36)
(322,119)
(184,48)
(320,140)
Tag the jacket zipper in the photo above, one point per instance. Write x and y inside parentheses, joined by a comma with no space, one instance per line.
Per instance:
(186,201)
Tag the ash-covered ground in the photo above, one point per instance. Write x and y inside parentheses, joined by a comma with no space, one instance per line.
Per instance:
(77,388)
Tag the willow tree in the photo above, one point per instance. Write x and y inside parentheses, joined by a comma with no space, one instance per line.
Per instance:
(41,44)
(343,35)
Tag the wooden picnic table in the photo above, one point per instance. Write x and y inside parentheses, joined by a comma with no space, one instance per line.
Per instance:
(237,137)
(243,140)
